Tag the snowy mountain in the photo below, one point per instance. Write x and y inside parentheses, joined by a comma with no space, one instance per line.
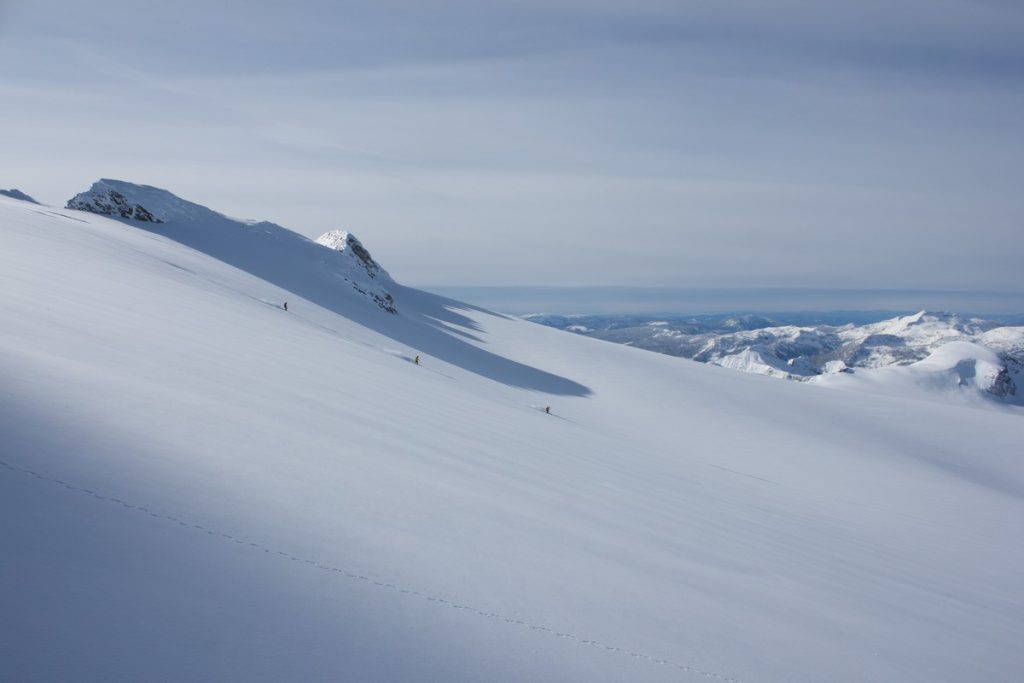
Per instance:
(957,368)
(268,250)
(369,278)
(199,485)
(805,352)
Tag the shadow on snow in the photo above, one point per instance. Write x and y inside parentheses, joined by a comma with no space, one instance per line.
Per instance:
(427,323)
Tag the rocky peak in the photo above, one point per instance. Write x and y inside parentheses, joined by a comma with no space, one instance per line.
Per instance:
(106,199)
(367,275)
(347,243)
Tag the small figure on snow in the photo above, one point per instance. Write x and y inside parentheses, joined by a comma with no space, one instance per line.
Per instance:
(286,305)
(547,409)
(416,360)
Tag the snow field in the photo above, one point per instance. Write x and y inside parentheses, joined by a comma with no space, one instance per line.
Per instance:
(701,522)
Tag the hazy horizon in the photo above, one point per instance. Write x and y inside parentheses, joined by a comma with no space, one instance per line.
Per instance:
(697,301)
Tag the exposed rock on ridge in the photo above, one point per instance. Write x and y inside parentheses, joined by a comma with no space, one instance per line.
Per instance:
(109,202)
(358,257)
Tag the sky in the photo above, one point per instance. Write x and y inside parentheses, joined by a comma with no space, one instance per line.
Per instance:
(825,146)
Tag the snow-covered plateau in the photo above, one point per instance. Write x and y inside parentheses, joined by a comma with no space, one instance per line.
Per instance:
(199,485)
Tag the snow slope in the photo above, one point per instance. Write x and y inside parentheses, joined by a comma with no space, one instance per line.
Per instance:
(196,485)
(752,360)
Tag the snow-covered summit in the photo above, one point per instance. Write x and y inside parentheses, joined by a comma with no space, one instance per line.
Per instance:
(147,204)
(350,246)
(265,249)
(919,333)
(1007,340)
(118,199)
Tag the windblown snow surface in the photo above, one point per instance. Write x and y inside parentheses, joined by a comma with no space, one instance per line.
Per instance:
(199,486)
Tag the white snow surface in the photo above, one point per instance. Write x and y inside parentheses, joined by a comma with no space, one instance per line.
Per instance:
(1005,339)
(347,244)
(960,370)
(753,360)
(197,485)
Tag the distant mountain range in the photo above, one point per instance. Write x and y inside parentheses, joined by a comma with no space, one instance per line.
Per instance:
(807,351)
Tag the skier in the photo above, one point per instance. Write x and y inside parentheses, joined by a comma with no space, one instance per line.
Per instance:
(416,360)
(547,409)
(286,305)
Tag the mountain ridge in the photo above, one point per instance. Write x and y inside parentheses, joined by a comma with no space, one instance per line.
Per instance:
(245,243)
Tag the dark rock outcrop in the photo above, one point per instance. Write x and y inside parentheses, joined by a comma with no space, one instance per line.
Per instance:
(112,203)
